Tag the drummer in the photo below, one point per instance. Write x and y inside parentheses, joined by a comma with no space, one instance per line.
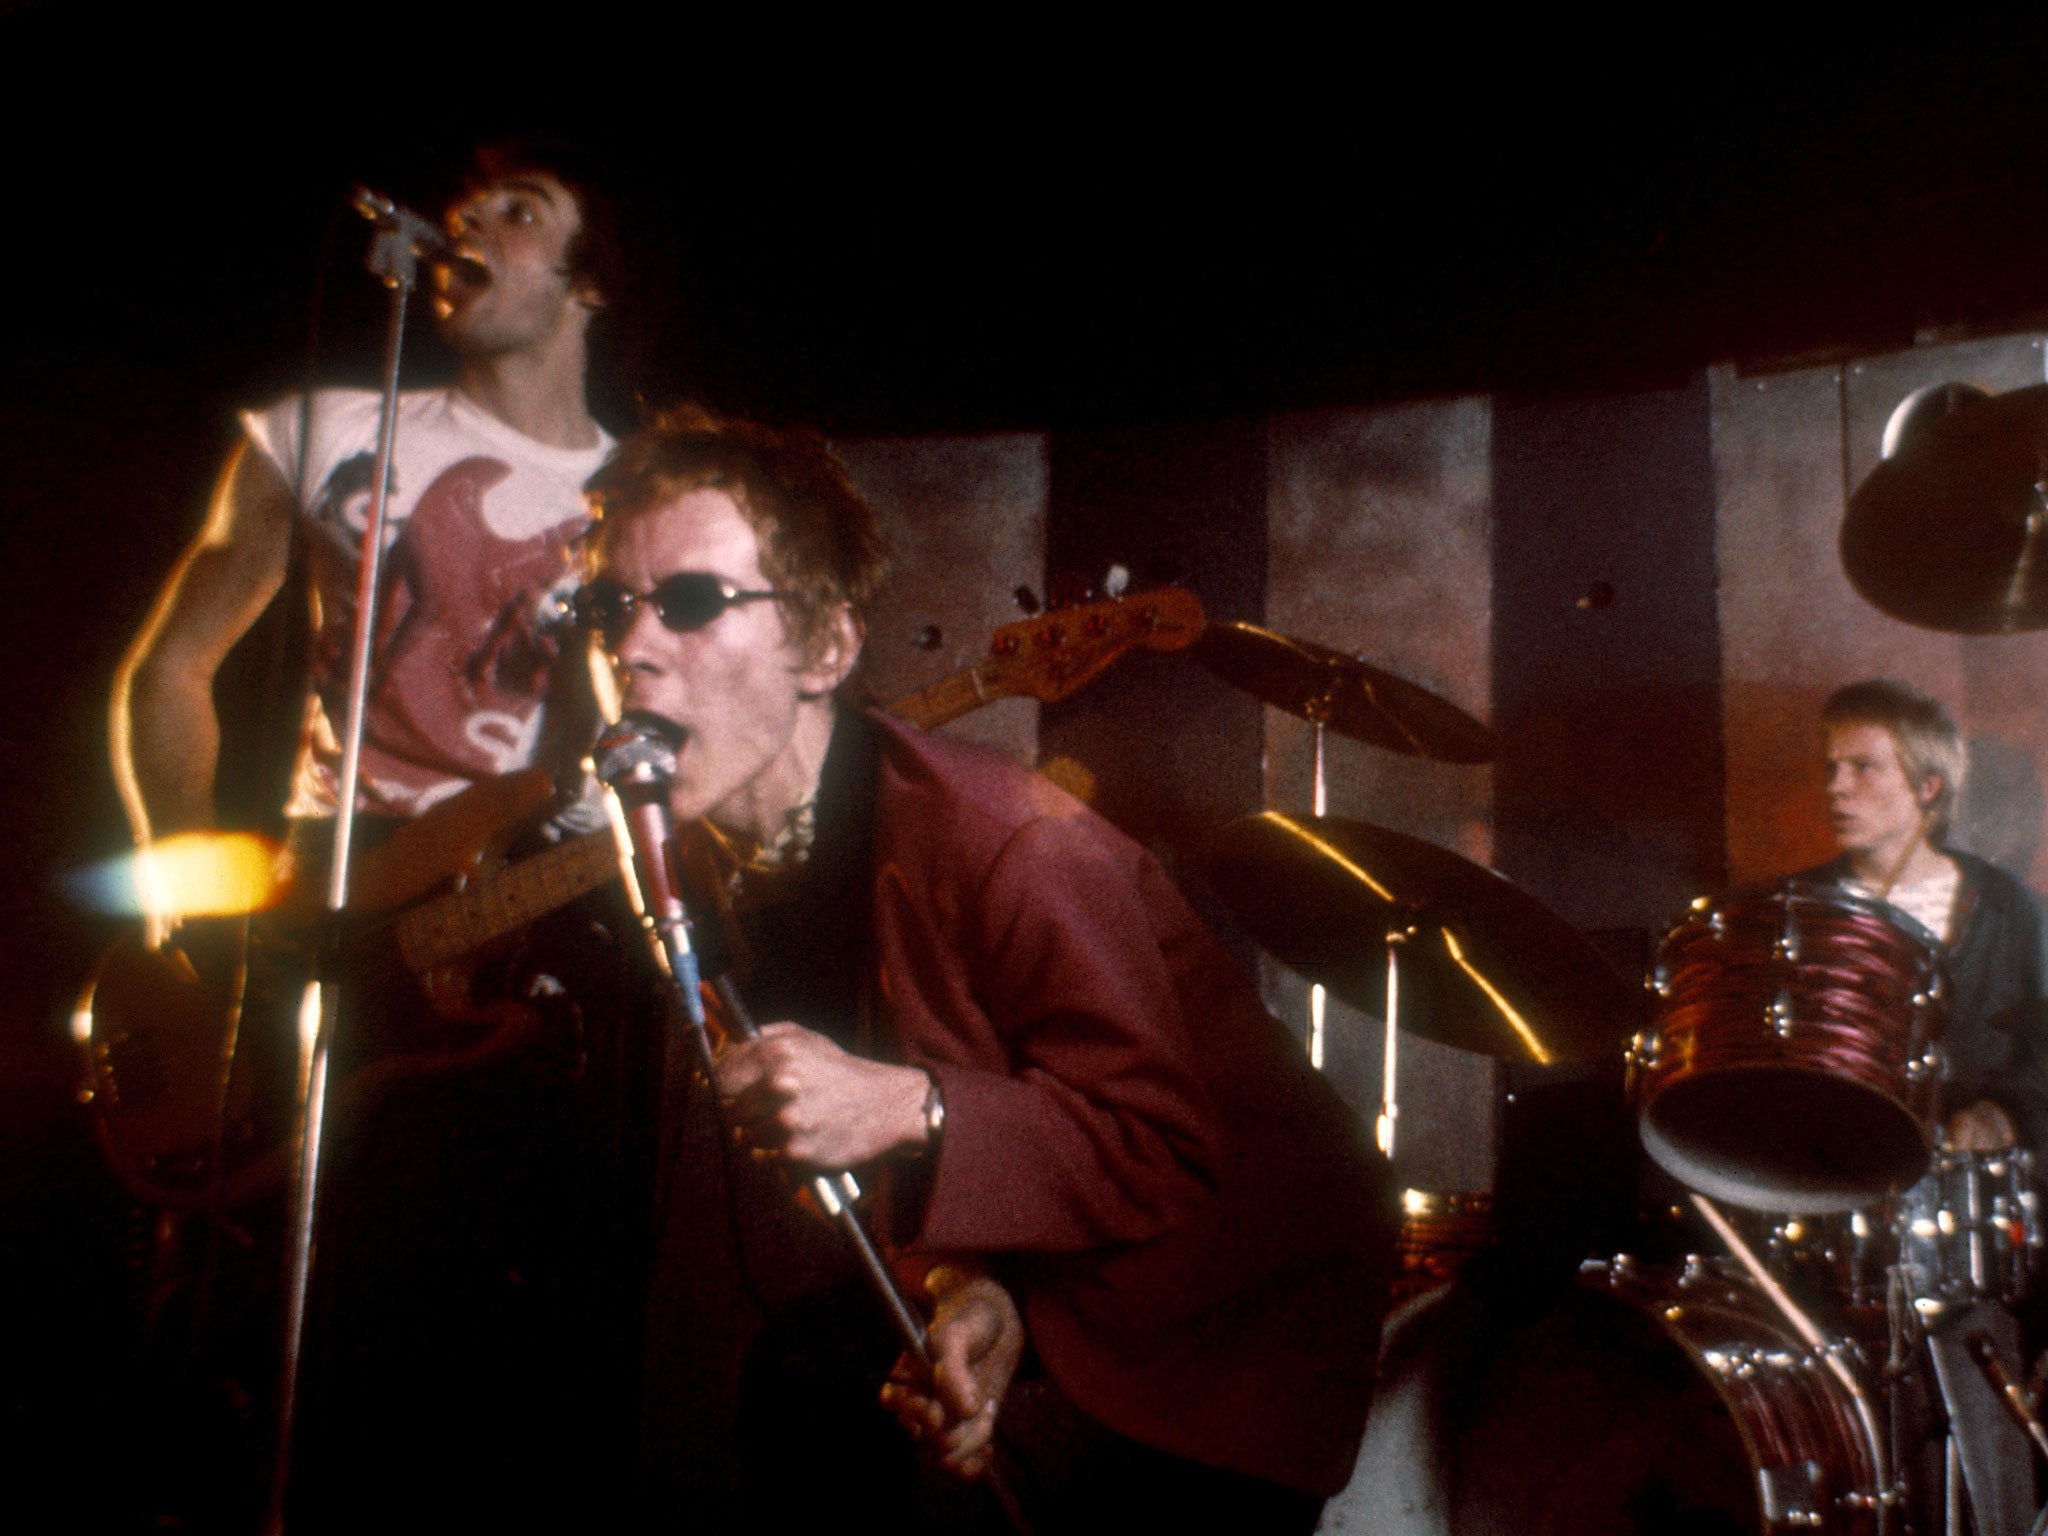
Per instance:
(1895,765)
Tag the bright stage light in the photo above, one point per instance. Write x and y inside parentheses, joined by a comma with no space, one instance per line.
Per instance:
(195,874)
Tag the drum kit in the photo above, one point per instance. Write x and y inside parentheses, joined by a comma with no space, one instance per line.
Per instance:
(1831,1340)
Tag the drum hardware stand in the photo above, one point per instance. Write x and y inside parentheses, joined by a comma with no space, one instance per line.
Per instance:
(2010,1394)
(1895,1368)
(1827,1352)
(1390,1072)
(1318,995)
(1318,712)
(400,239)
(2017,1402)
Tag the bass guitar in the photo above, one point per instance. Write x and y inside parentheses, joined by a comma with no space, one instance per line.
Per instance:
(163,1028)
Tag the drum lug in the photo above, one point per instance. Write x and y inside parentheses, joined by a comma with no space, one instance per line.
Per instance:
(1644,1050)
(1848,1352)
(1788,936)
(1621,1267)
(1780,1013)
(1891,1498)
(1791,1495)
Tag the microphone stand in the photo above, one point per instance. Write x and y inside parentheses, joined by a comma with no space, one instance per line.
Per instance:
(642,787)
(395,250)
(636,760)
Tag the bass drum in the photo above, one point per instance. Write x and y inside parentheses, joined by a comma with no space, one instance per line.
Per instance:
(1634,1404)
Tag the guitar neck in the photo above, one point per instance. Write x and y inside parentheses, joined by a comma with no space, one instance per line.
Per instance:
(444,930)
(1048,658)
(951,697)
(448,928)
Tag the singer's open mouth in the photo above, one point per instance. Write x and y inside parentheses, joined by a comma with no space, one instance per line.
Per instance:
(460,268)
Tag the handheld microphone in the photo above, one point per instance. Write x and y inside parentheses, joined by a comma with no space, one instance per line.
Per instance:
(636,759)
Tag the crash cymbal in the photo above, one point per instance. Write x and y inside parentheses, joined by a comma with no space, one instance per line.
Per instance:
(1343,693)
(1483,966)
(1951,533)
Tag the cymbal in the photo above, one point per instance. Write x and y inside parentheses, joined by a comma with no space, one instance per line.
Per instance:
(1952,532)
(1483,965)
(1350,697)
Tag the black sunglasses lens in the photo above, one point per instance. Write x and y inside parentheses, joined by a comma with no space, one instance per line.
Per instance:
(689,600)
(685,601)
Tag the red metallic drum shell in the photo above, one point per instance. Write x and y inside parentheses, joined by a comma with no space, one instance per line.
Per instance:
(1788,1064)
(1789,1407)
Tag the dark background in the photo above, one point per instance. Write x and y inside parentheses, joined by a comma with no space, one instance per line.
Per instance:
(1055,224)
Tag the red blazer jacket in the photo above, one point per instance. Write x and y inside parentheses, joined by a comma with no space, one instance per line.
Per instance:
(1196,1231)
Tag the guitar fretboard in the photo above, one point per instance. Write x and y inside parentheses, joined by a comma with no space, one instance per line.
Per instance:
(1048,658)
(444,930)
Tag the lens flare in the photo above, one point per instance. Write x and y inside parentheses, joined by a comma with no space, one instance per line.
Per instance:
(196,874)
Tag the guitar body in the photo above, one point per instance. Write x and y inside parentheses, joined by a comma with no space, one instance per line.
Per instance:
(192,1048)
(160,1058)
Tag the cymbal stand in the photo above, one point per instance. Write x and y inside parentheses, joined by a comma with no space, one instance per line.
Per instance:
(395,250)
(1318,995)
(1318,712)
(1390,1070)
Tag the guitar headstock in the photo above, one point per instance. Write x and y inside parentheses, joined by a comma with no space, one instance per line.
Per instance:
(1060,652)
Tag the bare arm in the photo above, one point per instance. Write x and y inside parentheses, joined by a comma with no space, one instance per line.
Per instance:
(166,736)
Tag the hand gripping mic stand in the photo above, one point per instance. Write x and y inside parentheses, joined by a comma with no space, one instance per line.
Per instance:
(636,759)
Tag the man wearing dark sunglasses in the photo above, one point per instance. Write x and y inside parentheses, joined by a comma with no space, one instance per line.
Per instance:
(995,1008)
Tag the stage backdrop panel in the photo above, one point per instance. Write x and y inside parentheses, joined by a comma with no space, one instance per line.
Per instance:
(1607,666)
(965,520)
(1380,524)
(1787,449)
